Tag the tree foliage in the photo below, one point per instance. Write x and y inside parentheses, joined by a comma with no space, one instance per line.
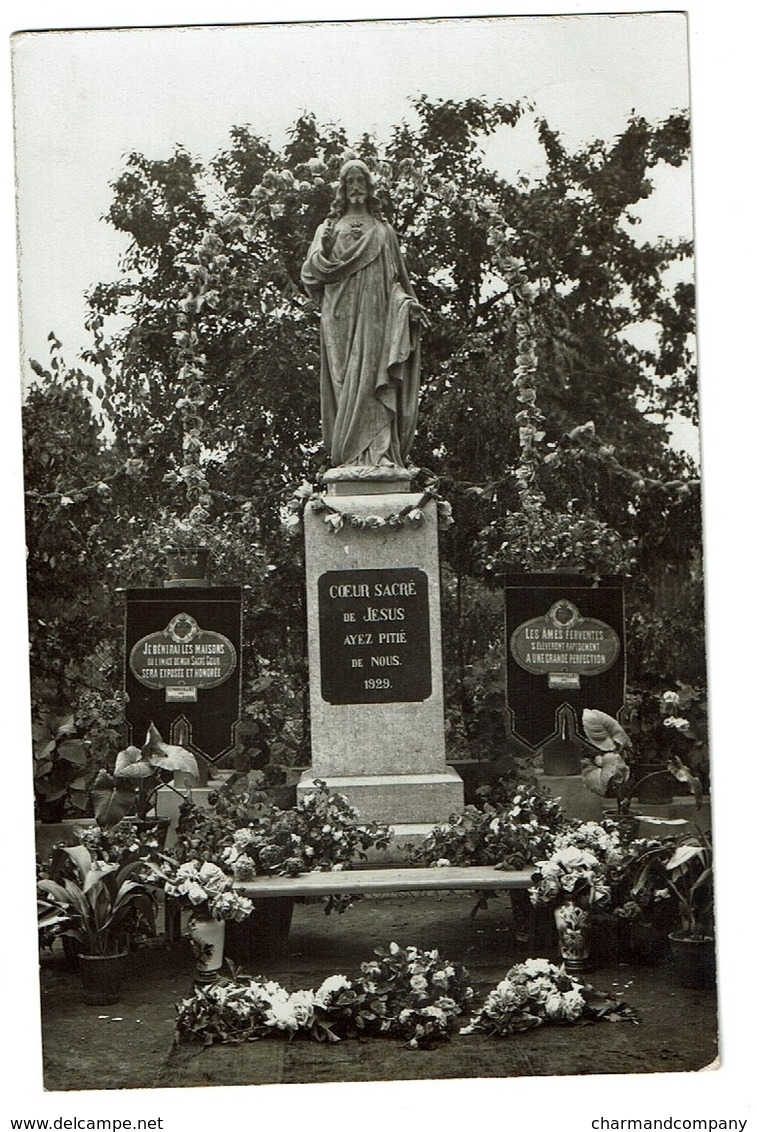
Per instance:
(561,345)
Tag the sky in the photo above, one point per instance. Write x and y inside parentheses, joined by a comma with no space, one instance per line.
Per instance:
(79,112)
(85,99)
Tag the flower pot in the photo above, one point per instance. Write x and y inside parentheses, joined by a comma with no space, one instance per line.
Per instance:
(263,933)
(207,937)
(50,811)
(102,976)
(628,824)
(657,789)
(560,758)
(186,567)
(573,923)
(155,826)
(693,961)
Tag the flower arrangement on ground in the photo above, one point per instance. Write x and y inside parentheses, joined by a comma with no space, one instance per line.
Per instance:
(538,993)
(403,993)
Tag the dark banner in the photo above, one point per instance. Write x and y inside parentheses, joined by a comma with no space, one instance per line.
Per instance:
(375,643)
(183,664)
(565,641)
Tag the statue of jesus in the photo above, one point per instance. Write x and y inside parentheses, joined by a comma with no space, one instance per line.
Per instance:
(370,329)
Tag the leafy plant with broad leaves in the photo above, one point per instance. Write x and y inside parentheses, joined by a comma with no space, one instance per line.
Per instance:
(687,870)
(60,760)
(104,907)
(610,775)
(138,775)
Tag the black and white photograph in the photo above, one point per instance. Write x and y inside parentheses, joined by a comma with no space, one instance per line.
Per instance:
(363,546)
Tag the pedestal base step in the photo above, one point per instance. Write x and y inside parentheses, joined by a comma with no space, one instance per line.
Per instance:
(407,799)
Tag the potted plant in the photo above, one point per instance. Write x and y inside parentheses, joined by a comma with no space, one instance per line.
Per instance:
(665,727)
(133,786)
(60,764)
(685,866)
(610,775)
(102,909)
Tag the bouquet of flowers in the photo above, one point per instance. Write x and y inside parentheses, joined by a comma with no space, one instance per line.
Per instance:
(513,829)
(403,993)
(537,993)
(410,992)
(570,872)
(247,837)
(603,840)
(208,891)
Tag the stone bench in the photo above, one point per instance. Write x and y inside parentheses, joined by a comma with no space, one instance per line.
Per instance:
(364,881)
(359,881)
(271,919)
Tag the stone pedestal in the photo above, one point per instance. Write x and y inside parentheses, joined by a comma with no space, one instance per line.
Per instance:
(374,640)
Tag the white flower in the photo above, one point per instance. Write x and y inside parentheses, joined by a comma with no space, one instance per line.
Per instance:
(304,491)
(573,1004)
(535,967)
(302,1006)
(333,985)
(671,698)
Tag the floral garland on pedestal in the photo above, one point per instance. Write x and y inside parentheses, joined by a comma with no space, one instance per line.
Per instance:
(293,510)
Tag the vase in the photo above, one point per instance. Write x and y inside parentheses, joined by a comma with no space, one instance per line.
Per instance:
(693,961)
(187,567)
(573,922)
(207,936)
(102,977)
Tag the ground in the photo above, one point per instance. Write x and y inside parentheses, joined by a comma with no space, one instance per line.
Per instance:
(130,1045)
